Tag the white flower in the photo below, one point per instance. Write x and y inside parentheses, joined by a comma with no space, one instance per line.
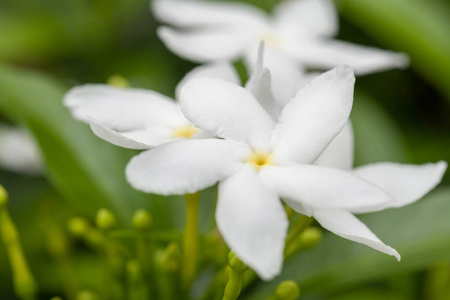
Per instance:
(258,161)
(300,30)
(404,183)
(18,151)
(137,118)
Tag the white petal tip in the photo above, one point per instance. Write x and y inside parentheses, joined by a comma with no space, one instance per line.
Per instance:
(268,277)
(390,251)
(162,32)
(344,71)
(401,60)
(268,273)
(441,166)
(438,170)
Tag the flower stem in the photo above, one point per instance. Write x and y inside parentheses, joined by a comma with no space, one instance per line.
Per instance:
(58,248)
(234,285)
(190,240)
(136,285)
(300,224)
(24,283)
(233,288)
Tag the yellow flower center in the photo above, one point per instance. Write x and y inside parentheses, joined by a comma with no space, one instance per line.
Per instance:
(184,132)
(271,40)
(259,159)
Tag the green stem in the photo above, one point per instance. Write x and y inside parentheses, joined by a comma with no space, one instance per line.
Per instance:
(144,253)
(298,227)
(233,288)
(216,284)
(58,249)
(114,269)
(136,285)
(24,283)
(190,240)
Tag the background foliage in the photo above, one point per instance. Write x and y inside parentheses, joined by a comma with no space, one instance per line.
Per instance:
(47,46)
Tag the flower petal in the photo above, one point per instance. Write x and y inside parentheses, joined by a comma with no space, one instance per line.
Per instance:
(326,54)
(252,221)
(204,45)
(138,139)
(184,167)
(310,121)
(259,85)
(287,76)
(194,13)
(307,18)
(340,152)
(19,151)
(123,109)
(226,110)
(322,188)
(220,69)
(405,183)
(349,227)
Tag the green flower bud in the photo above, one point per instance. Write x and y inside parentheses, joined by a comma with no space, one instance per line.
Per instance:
(171,258)
(287,290)
(3,196)
(235,263)
(78,226)
(105,219)
(142,220)
(310,237)
(87,295)
(118,81)
(134,270)
(56,242)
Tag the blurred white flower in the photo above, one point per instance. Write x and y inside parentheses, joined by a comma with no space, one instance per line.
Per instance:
(18,151)
(137,118)
(299,31)
(258,161)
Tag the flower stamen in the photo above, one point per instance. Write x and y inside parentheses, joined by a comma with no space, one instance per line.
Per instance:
(184,132)
(271,40)
(259,159)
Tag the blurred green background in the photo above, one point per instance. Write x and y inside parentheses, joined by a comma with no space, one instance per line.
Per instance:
(48,46)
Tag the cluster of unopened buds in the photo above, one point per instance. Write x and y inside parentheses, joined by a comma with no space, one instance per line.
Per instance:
(281,142)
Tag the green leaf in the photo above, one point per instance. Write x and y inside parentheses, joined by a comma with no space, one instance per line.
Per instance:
(419,28)
(377,136)
(419,232)
(86,170)
(30,36)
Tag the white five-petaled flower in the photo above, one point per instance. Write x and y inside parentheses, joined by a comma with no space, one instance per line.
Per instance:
(300,30)
(137,118)
(258,161)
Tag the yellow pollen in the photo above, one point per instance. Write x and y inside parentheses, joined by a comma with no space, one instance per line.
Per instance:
(271,40)
(260,159)
(184,132)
